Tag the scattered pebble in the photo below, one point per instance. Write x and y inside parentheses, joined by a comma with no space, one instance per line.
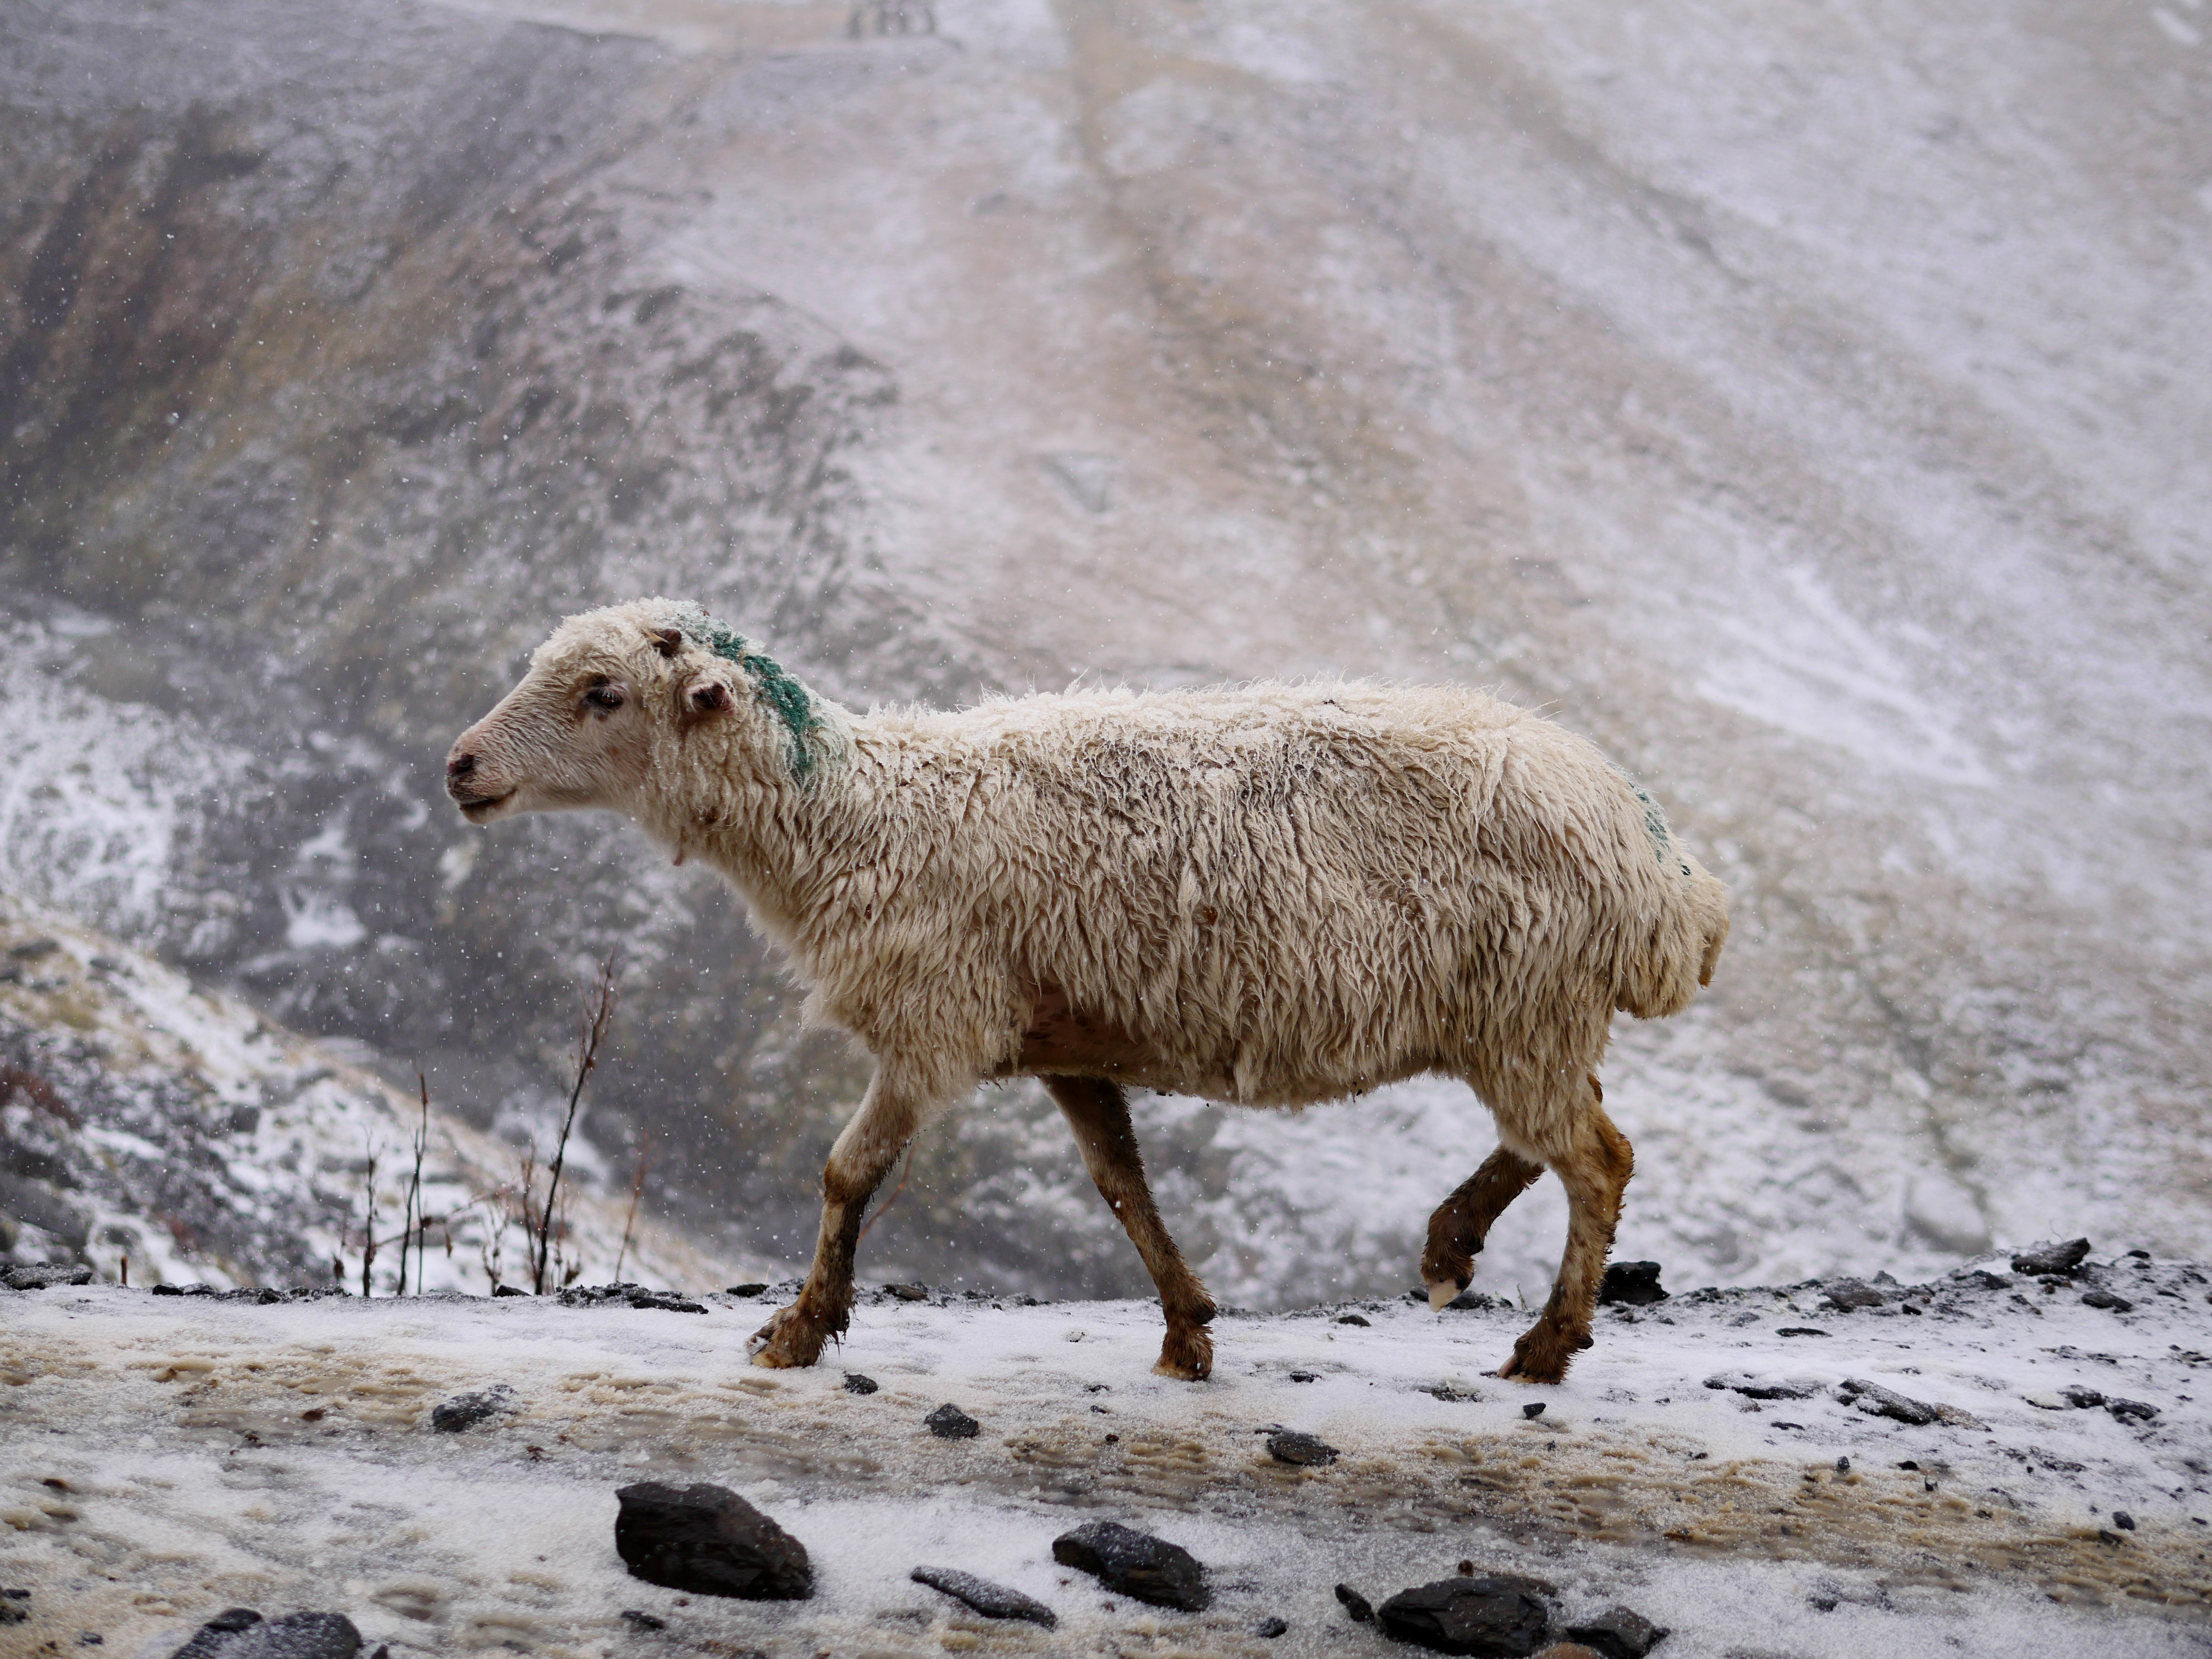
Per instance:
(1136,1564)
(2106,1299)
(1533,1410)
(643,1621)
(2123,1521)
(909,1292)
(1850,1293)
(2124,1409)
(2051,1258)
(706,1540)
(1289,1446)
(856,1383)
(1357,1605)
(1352,1319)
(1305,1376)
(1801,1330)
(1268,1629)
(1878,1401)
(949,1422)
(243,1633)
(45,1279)
(465,1410)
(1618,1633)
(746,1290)
(992,1601)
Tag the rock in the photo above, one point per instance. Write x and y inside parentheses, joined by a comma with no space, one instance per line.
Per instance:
(2124,1409)
(508,1290)
(1268,1629)
(1491,1617)
(2106,1299)
(992,1601)
(242,1633)
(1471,1302)
(746,1290)
(2123,1521)
(1136,1564)
(465,1410)
(1850,1293)
(1801,1330)
(1764,1387)
(1631,1284)
(643,1621)
(13,1610)
(1878,1401)
(2079,1398)
(182,1290)
(1618,1633)
(1352,1319)
(1355,1604)
(1305,1376)
(706,1540)
(45,1279)
(949,1422)
(1288,1446)
(1533,1410)
(635,1296)
(909,1292)
(2051,1258)
(856,1383)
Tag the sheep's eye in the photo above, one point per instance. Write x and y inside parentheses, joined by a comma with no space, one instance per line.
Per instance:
(604,696)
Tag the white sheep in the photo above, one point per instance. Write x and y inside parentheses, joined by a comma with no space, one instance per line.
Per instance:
(1273,895)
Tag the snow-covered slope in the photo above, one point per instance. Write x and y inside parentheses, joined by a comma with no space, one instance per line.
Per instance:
(1808,401)
(161,1460)
(159,1133)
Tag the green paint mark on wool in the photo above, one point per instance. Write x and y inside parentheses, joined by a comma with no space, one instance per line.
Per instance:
(792,702)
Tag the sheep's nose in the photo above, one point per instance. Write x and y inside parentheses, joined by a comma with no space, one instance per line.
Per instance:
(460,767)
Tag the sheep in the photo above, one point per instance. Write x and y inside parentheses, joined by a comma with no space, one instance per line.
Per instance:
(1273,895)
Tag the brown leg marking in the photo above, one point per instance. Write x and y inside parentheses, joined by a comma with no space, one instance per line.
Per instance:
(859,1162)
(1463,1221)
(1595,1170)
(1098,1112)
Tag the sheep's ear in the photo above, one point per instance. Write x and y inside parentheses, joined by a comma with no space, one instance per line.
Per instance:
(667,640)
(703,697)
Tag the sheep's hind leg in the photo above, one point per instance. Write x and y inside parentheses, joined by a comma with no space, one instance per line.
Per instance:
(1098,1112)
(888,1119)
(1593,1166)
(1462,1221)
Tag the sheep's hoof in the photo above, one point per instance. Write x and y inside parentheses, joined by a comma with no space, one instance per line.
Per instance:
(1541,1357)
(1187,1356)
(1442,1291)
(785,1342)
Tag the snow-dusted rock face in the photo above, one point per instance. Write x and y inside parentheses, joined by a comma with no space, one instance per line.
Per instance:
(1808,406)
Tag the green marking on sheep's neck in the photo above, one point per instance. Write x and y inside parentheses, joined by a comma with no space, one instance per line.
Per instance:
(1655,824)
(795,705)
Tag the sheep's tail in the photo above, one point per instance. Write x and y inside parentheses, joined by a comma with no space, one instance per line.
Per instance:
(1687,923)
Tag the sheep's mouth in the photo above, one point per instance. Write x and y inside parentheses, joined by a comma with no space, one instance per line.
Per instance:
(483,809)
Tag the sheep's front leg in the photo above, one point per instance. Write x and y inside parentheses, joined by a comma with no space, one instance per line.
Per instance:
(888,1117)
(1595,1169)
(1098,1112)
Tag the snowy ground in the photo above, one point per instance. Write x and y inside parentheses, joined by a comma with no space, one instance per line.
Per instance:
(162,1458)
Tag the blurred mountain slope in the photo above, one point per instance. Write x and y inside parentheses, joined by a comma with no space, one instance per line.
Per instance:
(1808,405)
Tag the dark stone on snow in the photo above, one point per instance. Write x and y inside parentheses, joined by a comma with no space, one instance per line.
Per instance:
(635,1296)
(259,1295)
(1472,1302)
(508,1290)
(1801,1330)
(2079,1398)
(2051,1258)
(1495,1618)
(242,1633)
(2127,1409)
(1357,1605)
(45,1279)
(909,1292)
(1352,1319)
(1850,1293)
(747,1289)
(949,1422)
(1135,1565)
(1305,1376)
(1268,1629)
(706,1540)
(643,1621)
(1289,1446)
(856,1383)
(12,1611)
(1878,1401)
(1631,1284)
(1763,1387)
(182,1290)
(2123,1521)
(992,1601)
(465,1410)
(1533,1410)
(2106,1299)
(1618,1633)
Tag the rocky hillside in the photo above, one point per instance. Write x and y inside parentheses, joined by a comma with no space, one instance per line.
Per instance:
(1809,404)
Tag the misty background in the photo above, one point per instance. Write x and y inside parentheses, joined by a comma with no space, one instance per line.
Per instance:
(1811,403)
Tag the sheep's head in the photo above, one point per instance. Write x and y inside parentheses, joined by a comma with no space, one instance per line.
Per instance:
(606,697)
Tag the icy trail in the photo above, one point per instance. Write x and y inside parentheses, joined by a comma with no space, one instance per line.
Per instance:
(165,1458)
